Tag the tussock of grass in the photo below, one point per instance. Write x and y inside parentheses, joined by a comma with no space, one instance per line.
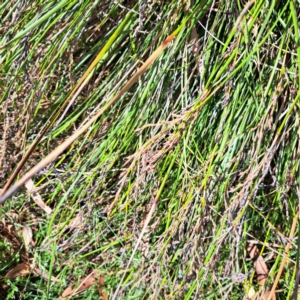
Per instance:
(204,146)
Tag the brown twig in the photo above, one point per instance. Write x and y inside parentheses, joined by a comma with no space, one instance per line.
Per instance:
(285,255)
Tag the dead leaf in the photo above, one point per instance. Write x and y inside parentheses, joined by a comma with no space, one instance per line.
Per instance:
(21,269)
(44,274)
(10,228)
(251,293)
(84,284)
(261,269)
(259,264)
(27,236)
(37,197)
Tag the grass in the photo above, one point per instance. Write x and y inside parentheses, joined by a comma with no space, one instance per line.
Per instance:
(191,152)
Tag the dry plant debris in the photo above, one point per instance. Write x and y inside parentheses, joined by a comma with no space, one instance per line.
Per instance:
(153,139)
(85,283)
